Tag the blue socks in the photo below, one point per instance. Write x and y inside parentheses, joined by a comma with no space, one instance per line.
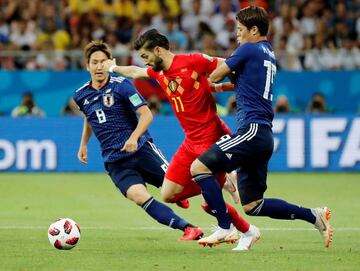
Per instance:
(212,194)
(280,209)
(164,215)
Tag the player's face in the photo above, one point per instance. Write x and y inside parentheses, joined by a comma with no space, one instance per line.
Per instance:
(243,34)
(96,68)
(151,59)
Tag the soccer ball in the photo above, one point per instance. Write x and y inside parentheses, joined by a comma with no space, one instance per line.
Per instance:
(64,233)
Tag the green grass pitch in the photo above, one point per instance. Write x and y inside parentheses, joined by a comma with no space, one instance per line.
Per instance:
(117,235)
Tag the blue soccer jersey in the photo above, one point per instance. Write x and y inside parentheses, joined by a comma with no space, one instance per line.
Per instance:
(110,111)
(255,68)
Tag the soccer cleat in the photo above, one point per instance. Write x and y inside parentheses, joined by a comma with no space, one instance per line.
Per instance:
(183,203)
(219,236)
(322,224)
(231,186)
(247,239)
(192,233)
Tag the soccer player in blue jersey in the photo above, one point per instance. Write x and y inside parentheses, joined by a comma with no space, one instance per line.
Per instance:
(250,148)
(110,105)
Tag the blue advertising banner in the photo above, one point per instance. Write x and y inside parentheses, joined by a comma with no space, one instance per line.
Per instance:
(53,89)
(302,143)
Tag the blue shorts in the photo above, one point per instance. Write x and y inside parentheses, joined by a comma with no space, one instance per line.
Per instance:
(146,165)
(248,151)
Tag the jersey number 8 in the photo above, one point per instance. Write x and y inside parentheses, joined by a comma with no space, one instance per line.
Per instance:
(101,115)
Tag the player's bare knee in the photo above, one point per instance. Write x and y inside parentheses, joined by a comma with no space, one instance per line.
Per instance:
(139,199)
(253,208)
(138,195)
(247,209)
(197,167)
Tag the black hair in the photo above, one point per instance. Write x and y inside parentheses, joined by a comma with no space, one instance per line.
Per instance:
(150,39)
(254,16)
(95,46)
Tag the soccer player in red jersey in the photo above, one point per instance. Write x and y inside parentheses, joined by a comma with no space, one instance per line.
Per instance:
(184,79)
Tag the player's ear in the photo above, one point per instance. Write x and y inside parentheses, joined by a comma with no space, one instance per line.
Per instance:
(157,51)
(254,30)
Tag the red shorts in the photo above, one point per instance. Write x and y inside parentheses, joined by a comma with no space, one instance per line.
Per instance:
(179,167)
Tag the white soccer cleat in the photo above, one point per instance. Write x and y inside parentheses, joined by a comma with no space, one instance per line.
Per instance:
(247,239)
(230,186)
(322,224)
(219,236)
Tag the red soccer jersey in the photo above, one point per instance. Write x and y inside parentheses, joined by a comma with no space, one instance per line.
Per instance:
(187,89)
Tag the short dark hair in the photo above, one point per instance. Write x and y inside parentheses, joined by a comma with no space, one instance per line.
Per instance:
(150,39)
(94,46)
(254,16)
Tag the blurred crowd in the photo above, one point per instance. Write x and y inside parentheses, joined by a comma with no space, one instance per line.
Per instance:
(50,34)
(311,35)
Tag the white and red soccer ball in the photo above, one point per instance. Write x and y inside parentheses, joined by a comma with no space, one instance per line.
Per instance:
(64,233)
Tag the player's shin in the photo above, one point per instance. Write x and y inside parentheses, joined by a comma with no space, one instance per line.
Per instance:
(163,214)
(212,194)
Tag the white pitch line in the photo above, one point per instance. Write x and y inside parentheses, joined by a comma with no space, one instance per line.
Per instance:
(28,227)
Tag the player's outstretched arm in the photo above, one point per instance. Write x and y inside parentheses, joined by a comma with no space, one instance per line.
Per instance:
(127,71)
(145,118)
(86,134)
(220,87)
(219,73)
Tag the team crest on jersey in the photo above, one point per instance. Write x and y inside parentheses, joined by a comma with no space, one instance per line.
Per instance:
(108,99)
(173,85)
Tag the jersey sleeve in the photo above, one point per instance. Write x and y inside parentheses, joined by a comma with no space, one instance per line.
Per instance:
(151,73)
(203,63)
(239,56)
(77,101)
(129,93)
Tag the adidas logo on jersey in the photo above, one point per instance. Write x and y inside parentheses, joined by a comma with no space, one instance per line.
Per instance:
(228,155)
(86,102)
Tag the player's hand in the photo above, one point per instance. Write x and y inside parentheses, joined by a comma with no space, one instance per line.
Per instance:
(109,63)
(130,145)
(82,154)
(226,86)
(220,87)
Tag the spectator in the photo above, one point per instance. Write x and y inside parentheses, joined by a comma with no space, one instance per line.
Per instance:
(154,104)
(71,108)
(177,38)
(191,19)
(282,104)
(224,10)
(317,104)
(22,36)
(27,107)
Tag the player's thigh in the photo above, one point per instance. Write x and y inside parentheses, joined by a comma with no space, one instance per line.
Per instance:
(179,167)
(124,175)
(152,164)
(251,145)
(252,182)
(216,160)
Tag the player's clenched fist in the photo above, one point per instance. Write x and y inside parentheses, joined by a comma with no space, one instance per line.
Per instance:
(82,154)
(107,64)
